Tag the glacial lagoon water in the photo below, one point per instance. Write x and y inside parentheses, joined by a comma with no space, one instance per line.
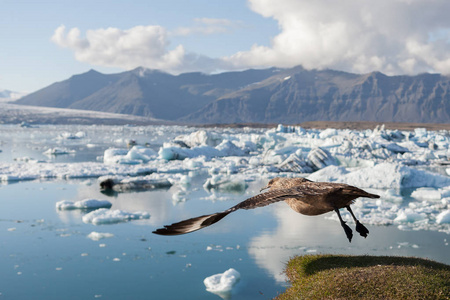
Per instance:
(46,253)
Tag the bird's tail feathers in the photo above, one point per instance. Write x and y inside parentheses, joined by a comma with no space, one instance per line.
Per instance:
(191,225)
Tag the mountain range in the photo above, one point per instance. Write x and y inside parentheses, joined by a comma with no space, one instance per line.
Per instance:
(273,95)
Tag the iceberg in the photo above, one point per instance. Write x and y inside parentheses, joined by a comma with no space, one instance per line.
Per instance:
(136,155)
(83,204)
(31,171)
(200,138)
(106,216)
(383,175)
(443,217)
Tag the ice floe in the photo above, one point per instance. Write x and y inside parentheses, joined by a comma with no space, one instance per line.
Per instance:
(106,216)
(222,284)
(96,236)
(83,204)
(409,169)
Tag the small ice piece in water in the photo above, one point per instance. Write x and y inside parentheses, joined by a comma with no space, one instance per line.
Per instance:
(443,217)
(106,216)
(83,204)
(96,236)
(221,284)
(57,151)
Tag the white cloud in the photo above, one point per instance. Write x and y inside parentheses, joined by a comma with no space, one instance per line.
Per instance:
(146,46)
(393,36)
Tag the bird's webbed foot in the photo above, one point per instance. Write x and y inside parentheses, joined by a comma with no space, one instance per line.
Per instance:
(348,231)
(363,231)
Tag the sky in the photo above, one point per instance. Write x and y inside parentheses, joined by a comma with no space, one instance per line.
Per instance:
(42,42)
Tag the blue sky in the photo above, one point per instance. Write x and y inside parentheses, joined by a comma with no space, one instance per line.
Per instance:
(46,41)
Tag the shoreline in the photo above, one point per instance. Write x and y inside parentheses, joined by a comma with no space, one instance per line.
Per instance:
(15,114)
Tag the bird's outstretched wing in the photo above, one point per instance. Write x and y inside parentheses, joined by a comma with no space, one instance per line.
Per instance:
(260,200)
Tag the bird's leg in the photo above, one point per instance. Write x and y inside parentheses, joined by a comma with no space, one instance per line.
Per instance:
(363,231)
(348,231)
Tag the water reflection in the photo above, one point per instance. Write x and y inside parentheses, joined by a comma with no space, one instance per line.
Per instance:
(296,234)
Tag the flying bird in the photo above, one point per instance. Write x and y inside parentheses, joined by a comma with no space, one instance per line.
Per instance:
(302,195)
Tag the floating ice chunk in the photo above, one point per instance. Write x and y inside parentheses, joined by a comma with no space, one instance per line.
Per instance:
(26,171)
(384,175)
(141,153)
(222,283)
(420,132)
(426,193)
(26,125)
(71,136)
(201,138)
(58,151)
(113,155)
(136,155)
(393,147)
(295,164)
(172,153)
(230,149)
(285,129)
(329,132)
(193,163)
(106,216)
(96,236)
(391,194)
(177,153)
(320,158)
(443,217)
(409,216)
(83,204)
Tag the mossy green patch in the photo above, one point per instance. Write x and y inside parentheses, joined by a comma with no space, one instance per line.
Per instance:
(366,277)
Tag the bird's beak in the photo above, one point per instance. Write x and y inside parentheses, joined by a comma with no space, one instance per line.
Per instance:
(264,188)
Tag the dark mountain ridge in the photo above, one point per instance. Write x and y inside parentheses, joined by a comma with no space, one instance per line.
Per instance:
(272,95)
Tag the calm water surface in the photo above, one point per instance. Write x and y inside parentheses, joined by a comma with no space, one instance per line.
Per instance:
(45,253)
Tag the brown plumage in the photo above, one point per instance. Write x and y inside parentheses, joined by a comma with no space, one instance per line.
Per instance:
(302,195)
